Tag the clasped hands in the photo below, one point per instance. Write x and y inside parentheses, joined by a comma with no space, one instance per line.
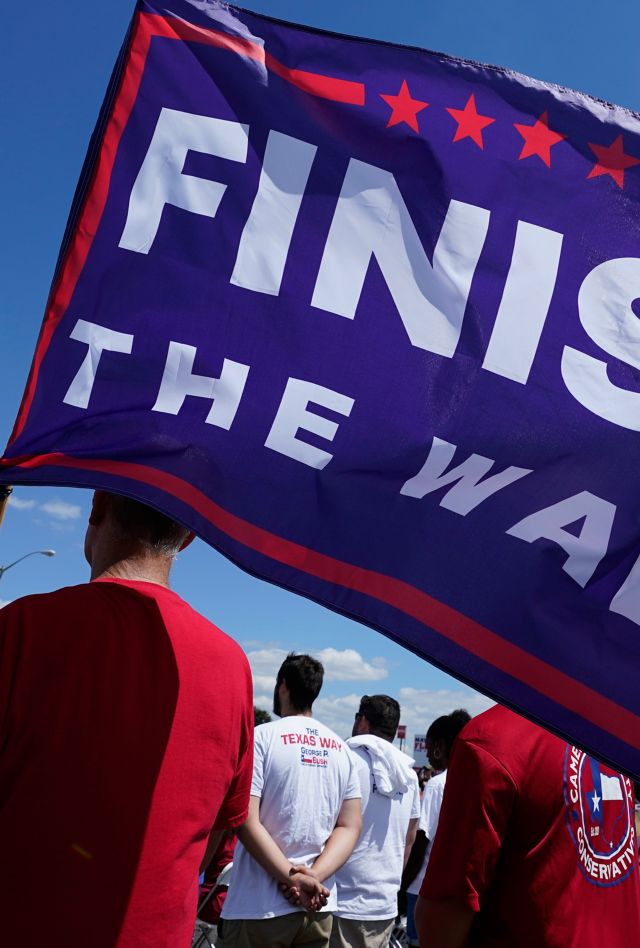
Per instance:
(305,889)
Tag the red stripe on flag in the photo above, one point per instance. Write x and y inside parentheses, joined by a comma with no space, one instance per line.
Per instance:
(147,26)
(446,621)
(325,87)
(92,210)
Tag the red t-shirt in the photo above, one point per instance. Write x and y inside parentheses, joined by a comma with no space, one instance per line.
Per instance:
(537,838)
(126,733)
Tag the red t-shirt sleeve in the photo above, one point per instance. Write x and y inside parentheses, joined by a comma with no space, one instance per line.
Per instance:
(235,807)
(478,800)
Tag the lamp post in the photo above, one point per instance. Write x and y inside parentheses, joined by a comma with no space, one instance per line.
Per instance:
(3,569)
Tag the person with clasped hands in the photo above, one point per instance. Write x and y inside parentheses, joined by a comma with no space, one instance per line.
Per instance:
(304,820)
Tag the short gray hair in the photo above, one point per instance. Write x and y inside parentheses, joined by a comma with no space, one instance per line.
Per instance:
(154,530)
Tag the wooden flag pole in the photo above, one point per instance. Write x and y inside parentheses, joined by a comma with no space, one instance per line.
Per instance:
(5,493)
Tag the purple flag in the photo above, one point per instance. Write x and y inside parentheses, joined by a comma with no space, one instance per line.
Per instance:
(365,317)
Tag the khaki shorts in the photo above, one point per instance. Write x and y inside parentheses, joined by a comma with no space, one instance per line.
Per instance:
(362,933)
(297,928)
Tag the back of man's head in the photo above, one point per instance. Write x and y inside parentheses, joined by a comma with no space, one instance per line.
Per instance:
(382,713)
(303,676)
(149,528)
(447,727)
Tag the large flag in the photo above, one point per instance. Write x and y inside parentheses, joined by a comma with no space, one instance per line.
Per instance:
(365,317)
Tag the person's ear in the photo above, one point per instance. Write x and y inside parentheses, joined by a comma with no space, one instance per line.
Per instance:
(283,692)
(99,506)
(190,537)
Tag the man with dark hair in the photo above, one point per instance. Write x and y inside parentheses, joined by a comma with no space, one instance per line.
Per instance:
(303,676)
(441,735)
(304,820)
(440,740)
(118,760)
(378,715)
(368,883)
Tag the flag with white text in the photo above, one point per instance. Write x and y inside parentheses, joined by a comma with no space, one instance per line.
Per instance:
(366,318)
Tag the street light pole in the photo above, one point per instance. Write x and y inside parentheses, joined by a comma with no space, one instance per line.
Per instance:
(3,569)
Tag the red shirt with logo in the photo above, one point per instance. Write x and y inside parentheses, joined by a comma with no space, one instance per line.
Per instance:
(126,730)
(537,838)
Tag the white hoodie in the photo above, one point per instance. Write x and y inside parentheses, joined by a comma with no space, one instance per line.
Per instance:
(392,768)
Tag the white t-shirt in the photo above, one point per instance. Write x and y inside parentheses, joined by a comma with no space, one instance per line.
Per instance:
(429,816)
(368,882)
(302,773)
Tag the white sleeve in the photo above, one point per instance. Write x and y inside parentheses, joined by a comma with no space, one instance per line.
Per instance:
(416,808)
(353,791)
(431,803)
(260,742)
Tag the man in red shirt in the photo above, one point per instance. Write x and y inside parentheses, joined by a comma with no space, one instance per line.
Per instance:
(126,738)
(535,846)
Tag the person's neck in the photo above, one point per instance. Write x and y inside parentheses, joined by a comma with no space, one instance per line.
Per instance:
(382,737)
(292,712)
(139,568)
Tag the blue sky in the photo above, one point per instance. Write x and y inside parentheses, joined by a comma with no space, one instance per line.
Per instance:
(55,64)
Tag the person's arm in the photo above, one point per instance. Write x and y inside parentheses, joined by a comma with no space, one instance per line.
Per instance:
(343,837)
(427,825)
(340,844)
(415,860)
(443,924)
(410,839)
(215,838)
(235,805)
(263,848)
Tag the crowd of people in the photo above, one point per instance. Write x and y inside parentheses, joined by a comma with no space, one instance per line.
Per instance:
(129,766)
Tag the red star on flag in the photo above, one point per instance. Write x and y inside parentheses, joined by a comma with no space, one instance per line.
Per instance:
(612,161)
(470,123)
(538,139)
(404,108)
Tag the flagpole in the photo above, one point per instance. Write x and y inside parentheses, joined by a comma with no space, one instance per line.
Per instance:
(5,493)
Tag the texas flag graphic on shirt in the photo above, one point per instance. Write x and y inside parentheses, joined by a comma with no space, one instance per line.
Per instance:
(611,789)
(606,805)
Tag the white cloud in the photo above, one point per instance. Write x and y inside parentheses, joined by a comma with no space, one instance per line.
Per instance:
(266,662)
(4,602)
(61,514)
(339,665)
(421,706)
(264,701)
(18,504)
(61,510)
(349,665)
(337,713)
(264,683)
(258,643)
